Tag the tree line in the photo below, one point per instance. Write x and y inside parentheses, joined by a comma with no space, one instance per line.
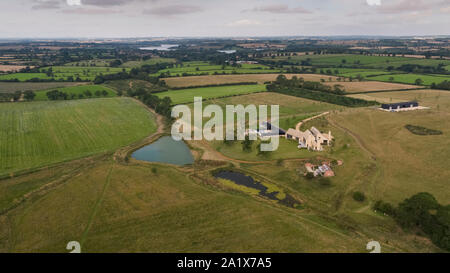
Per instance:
(60,95)
(16,96)
(315,91)
(421,213)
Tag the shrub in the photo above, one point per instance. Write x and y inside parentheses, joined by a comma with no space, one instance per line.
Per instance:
(359,196)
(384,207)
(324,181)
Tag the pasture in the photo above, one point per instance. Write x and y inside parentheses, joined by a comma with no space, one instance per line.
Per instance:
(109,207)
(198,68)
(11,87)
(353,60)
(187,95)
(131,64)
(63,73)
(407,163)
(36,134)
(411,78)
(227,79)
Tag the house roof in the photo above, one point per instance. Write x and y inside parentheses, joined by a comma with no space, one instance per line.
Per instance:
(294,133)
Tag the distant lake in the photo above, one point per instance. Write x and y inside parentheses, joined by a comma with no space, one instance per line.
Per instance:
(164,47)
(230,51)
(165,150)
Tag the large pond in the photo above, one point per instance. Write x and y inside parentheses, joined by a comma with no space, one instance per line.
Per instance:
(163,47)
(248,181)
(165,150)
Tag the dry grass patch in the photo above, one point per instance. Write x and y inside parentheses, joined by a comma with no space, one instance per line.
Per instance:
(367,86)
(9,68)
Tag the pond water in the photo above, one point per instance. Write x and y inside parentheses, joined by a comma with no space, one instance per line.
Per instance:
(229,51)
(165,150)
(163,47)
(248,181)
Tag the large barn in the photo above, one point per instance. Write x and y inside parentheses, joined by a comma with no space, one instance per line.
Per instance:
(400,105)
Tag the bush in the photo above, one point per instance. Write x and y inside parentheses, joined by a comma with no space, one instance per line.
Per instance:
(384,207)
(324,181)
(359,196)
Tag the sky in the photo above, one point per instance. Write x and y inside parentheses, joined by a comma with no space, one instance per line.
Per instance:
(221,18)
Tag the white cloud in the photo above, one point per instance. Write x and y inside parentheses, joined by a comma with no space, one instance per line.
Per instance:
(74,2)
(244,22)
(374,2)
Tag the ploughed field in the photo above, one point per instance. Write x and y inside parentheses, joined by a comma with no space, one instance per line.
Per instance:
(40,133)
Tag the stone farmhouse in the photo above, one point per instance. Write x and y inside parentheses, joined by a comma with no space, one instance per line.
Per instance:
(311,139)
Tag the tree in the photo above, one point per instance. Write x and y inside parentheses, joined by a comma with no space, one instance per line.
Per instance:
(359,196)
(415,211)
(29,95)
(419,82)
(247,144)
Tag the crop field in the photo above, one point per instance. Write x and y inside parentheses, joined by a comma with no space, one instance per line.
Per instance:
(131,64)
(36,134)
(10,87)
(226,79)
(356,87)
(411,78)
(63,73)
(187,95)
(77,90)
(196,68)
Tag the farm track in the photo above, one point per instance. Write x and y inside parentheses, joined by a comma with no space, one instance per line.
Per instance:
(297,127)
(356,137)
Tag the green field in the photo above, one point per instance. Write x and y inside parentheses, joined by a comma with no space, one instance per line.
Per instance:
(197,68)
(131,64)
(10,87)
(64,72)
(411,78)
(77,90)
(187,95)
(90,63)
(351,60)
(40,133)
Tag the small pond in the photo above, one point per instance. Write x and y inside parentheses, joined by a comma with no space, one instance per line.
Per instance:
(165,150)
(248,181)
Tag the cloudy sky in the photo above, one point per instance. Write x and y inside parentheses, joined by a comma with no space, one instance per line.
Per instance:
(156,18)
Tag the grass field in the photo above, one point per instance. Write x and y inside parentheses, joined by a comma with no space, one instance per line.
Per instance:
(40,133)
(64,72)
(350,60)
(109,208)
(131,64)
(187,95)
(225,79)
(411,163)
(10,87)
(196,68)
(77,90)
(411,78)
(124,85)
(368,86)
(91,63)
